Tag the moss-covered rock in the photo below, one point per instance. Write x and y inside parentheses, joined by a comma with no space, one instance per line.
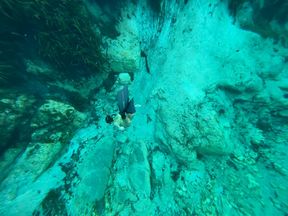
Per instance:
(55,122)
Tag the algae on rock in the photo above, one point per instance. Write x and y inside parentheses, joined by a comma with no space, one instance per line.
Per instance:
(55,122)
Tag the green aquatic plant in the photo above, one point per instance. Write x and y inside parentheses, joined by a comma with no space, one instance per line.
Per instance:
(12,9)
(66,37)
(10,60)
(60,32)
(10,39)
(5,72)
(9,69)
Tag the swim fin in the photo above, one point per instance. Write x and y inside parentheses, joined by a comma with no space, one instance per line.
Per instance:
(130,107)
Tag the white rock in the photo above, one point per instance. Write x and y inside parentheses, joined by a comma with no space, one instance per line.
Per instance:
(124,52)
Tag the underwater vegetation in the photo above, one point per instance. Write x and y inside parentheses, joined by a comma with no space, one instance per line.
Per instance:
(67,39)
(63,32)
(11,42)
(10,62)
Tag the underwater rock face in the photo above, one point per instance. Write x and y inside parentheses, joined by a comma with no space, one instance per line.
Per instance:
(55,122)
(31,164)
(124,52)
(213,85)
(124,59)
(185,129)
(209,136)
(130,180)
(90,172)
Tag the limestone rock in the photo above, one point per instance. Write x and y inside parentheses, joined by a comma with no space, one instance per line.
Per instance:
(32,163)
(131,180)
(124,52)
(213,137)
(183,129)
(55,121)
(94,169)
(139,175)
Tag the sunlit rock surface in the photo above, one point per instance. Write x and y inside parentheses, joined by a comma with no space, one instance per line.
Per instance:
(124,51)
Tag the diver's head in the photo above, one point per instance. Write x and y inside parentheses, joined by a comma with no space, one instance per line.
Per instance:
(109,119)
(123,115)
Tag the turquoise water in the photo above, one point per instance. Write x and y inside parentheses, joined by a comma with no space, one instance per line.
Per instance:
(138,108)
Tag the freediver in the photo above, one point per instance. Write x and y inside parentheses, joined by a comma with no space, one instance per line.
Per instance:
(126,108)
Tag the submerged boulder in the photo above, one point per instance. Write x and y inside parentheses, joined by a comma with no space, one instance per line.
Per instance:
(55,122)
(187,128)
(131,181)
(124,52)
